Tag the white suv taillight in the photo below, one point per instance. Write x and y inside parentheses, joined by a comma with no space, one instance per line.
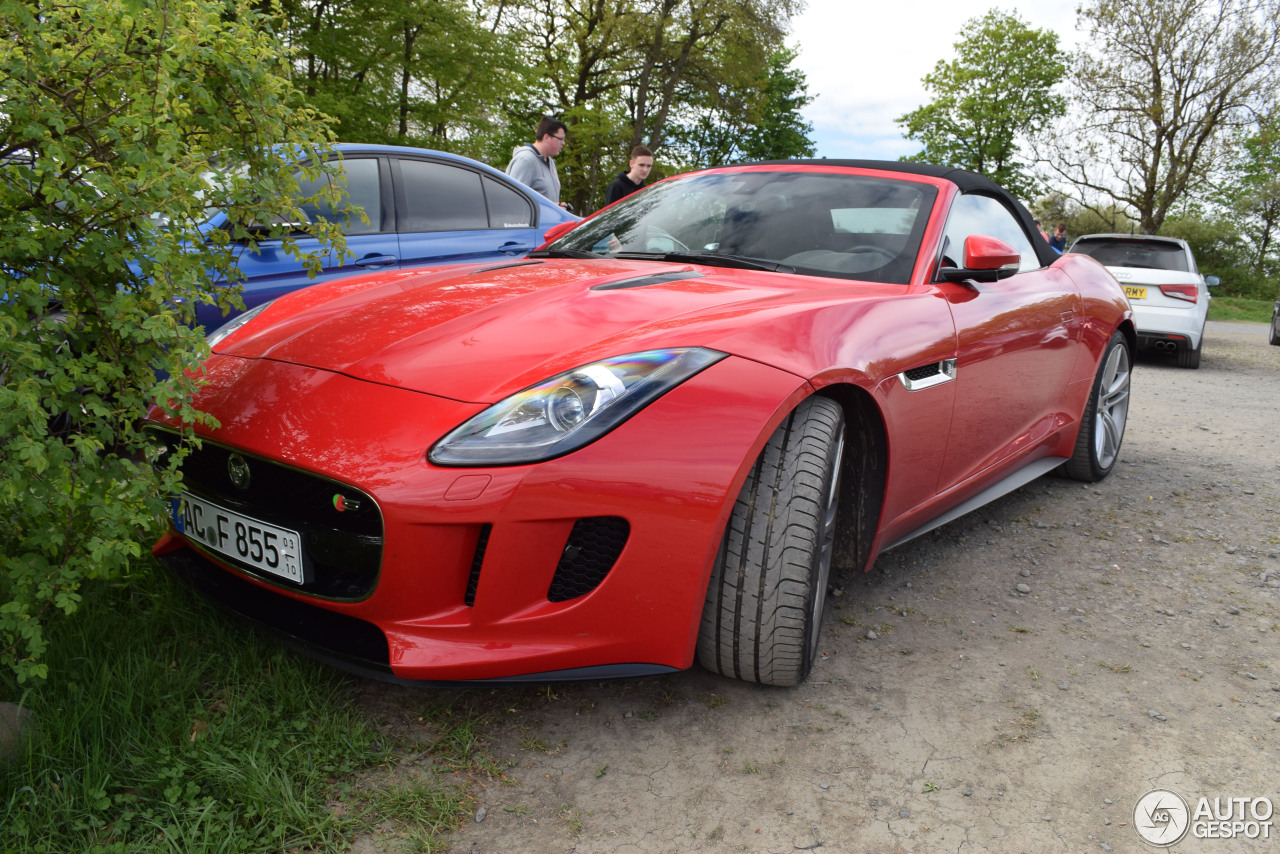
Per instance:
(1190,293)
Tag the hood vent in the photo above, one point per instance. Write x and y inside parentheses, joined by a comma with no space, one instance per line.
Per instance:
(642,281)
(504,266)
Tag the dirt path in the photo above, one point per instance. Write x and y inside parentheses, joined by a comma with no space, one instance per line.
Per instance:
(949,711)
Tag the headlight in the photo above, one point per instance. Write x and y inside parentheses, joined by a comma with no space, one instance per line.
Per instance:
(570,410)
(234,323)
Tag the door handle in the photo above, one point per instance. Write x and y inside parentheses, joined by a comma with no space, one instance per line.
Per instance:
(515,248)
(376,261)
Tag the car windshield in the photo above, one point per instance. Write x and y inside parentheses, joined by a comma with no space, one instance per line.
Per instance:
(1144,254)
(814,223)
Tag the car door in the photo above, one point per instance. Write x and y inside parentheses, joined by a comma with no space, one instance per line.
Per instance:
(1017,343)
(449,213)
(366,214)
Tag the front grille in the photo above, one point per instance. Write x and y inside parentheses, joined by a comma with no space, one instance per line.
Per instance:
(592,549)
(342,550)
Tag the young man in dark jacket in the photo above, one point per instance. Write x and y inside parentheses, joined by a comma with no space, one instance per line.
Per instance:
(633,179)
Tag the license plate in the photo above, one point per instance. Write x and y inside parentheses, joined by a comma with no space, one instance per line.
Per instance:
(1133,292)
(266,547)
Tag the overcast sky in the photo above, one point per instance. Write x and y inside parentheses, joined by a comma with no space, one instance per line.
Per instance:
(864,62)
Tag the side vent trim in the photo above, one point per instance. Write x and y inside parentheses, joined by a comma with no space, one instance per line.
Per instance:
(928,376)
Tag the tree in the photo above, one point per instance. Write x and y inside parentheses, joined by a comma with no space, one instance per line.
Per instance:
(1255,195)
(619,71)
(122,123)
(758,121)
(1159,86)
(997,91)
(407,72)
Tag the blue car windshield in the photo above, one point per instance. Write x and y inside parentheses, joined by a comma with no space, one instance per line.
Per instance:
(808,222)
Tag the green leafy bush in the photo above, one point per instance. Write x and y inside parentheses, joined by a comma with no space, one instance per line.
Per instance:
(123,125)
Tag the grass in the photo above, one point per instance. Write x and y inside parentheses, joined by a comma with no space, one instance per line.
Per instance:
(1022,729)
(1240,308)
(164,726)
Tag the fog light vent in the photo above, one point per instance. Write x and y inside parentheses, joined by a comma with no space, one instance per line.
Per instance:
(591,551)
(473,581)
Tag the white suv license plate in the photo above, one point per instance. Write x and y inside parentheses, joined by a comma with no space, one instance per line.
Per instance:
(277,551)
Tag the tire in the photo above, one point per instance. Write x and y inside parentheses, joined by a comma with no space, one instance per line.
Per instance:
(1273,338)
(1188,358)
(1105,415)
(769,584)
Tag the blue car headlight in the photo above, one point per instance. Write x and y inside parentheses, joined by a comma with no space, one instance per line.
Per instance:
(569,410)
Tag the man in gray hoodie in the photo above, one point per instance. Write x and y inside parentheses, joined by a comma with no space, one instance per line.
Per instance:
(534,165)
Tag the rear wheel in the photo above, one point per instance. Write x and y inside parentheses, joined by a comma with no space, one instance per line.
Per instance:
(1188,358)
(768,588)
(1274,335)
(1105,415)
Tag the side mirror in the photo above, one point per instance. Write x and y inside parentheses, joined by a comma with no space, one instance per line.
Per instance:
(986,259)
(1212,281)
(556,232)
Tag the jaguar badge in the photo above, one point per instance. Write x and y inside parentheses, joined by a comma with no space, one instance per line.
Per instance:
(238,471)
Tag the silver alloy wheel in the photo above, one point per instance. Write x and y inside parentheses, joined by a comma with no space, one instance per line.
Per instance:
(822,571)
(1113,407)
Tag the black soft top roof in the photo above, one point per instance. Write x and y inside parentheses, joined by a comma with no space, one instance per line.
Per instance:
(968,182)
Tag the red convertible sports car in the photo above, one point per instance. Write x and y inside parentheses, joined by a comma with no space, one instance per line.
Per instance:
(654,439)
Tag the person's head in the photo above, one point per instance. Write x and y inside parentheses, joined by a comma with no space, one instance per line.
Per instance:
(549,137)
(1060,229)
(640,164)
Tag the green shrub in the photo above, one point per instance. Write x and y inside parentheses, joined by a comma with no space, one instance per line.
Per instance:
(124,122)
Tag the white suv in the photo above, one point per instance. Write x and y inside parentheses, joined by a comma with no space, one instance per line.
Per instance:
(1170,298)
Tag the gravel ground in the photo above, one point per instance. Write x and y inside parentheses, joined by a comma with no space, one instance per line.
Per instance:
(1014,681)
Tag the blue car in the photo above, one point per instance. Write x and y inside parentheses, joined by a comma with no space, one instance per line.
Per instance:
(423,208)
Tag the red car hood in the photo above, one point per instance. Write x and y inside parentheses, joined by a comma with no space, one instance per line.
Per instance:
(481,335)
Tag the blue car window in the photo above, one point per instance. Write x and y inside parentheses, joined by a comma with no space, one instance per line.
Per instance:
(442,198)
(364,193)
(507,208)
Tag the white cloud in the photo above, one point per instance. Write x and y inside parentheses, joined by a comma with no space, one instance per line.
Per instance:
(864,63)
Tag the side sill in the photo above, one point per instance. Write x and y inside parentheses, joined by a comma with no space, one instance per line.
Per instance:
(1021,477)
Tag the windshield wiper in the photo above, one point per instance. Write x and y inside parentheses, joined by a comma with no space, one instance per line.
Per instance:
(713,259)
(563,253)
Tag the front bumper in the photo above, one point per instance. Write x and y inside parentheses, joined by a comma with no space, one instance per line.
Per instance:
(495,573)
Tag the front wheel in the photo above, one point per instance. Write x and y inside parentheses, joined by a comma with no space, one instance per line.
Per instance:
(1105,415)
(768,587)
(1273,336)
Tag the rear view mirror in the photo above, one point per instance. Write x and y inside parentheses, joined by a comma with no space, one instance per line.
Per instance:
(1212,281)
(986,259)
